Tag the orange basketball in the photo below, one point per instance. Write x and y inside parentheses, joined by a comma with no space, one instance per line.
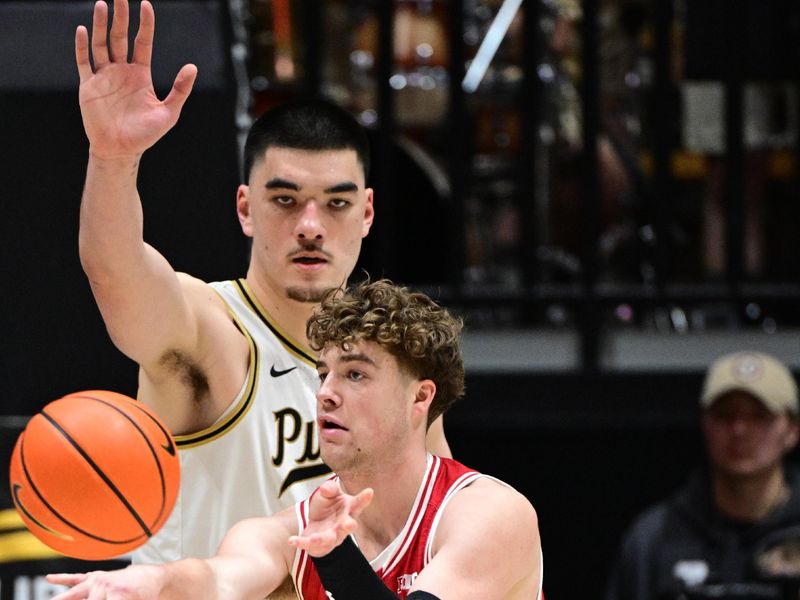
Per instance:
(94,474)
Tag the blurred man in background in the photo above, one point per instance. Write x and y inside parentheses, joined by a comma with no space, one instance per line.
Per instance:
(733,531)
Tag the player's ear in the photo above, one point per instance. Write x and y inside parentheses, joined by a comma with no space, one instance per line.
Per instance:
(243,209)
(425,392)
(369,212)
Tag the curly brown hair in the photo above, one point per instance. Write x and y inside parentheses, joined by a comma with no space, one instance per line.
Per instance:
(419,333)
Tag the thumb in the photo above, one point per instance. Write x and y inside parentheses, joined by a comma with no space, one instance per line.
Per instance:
(181,88)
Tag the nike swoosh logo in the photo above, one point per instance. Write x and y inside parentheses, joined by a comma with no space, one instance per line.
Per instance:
(15,489)
(275,373)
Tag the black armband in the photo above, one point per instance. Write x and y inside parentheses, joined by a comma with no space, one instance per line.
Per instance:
(347,575)
(420,595)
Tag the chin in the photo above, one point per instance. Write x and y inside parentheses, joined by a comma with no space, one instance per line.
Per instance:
(309,294)
(743,470)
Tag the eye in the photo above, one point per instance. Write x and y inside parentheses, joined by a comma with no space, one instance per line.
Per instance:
(322,375)
(283,200)
(355,375)
(338,203)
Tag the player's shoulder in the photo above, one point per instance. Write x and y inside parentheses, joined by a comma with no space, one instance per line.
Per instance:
(195,284)
(489,517)
(489,505)
(488,491)
(202,295)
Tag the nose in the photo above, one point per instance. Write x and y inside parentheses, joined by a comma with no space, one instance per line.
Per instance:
(739,424)
(326,394)
(309,225)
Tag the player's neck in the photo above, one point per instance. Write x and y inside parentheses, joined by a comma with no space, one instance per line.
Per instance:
(289,315)
(396,487)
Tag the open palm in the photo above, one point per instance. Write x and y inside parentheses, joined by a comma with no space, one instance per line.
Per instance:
(121,113)
(332,517)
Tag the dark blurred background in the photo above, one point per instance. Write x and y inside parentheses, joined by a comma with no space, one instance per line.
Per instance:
(606,191)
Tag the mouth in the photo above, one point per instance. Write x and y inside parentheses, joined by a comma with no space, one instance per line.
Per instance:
(309,260)
(329,424)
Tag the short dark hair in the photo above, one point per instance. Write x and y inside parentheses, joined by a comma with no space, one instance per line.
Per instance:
(420,334)
(308,124)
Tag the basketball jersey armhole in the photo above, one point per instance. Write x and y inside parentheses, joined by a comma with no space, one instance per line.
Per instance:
(464,481)
(240,404)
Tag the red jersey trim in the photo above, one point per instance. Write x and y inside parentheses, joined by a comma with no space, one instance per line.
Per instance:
(418,511)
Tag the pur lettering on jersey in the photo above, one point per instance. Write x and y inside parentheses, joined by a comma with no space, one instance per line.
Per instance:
(290,427)
(404,582)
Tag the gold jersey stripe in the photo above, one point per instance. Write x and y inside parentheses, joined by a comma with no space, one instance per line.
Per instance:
(234,416)
(291,345)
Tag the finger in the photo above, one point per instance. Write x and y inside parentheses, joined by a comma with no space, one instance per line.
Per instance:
(77,589)
(66,578)
(82,53)
(118,42)
(298,541)
(347,526)
(143,44)
(361,501)
(100,34)
(330,489)
(181,89)
(303,542)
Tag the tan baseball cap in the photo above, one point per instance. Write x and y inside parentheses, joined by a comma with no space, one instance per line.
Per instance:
(756,373)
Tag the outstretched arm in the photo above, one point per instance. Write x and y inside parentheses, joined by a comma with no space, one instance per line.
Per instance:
(252,562)
(189,578)
(138,292)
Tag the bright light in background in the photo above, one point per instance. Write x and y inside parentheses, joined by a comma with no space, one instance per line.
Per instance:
(483,58)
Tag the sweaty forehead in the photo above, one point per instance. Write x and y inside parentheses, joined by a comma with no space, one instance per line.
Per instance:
(311,167)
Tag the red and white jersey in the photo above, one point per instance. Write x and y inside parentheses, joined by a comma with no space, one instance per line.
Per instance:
(403,559)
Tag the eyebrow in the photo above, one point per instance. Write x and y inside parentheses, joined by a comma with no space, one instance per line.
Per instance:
(345,358)
(339,188)
(278,183)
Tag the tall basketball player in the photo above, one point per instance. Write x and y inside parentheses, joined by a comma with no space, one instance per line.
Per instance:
(227,365)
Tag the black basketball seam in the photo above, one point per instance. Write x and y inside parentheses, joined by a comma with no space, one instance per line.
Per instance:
(100,472)
(170,450)
(55,512)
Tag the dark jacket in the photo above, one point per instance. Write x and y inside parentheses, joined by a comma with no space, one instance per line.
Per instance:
(684,542)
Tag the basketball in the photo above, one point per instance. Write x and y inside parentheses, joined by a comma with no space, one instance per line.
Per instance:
(94,474)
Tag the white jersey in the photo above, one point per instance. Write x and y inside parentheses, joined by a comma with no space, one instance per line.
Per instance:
(261,456)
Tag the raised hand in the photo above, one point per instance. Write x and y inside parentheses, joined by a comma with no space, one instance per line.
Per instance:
(332,517)
(121,113)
